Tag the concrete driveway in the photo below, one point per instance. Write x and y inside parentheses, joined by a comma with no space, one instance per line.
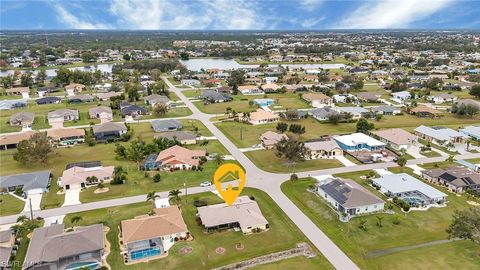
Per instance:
(36,199)
(414,151)
(345,161)
(53,220)
(72,196)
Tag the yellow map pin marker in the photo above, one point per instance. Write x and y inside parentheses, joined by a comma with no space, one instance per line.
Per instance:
(229,172)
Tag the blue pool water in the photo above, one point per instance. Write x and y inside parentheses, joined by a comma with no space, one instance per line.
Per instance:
(144,253)
(82,265)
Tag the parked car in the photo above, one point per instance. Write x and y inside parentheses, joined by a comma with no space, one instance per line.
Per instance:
(206,184)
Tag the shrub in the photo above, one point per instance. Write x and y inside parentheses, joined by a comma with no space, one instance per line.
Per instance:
(200,203)
(156,178)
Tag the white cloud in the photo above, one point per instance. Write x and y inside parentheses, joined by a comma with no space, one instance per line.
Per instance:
(310,5)
(311,22)
(391,13)
(71,21)
(172,14)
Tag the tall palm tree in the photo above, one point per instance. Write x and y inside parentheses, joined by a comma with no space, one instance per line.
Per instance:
(175,194)
(151,196)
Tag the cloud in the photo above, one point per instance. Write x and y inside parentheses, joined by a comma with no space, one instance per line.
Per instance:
(391,13)
(310,5)
(311,22)
(172,14)
(73,22)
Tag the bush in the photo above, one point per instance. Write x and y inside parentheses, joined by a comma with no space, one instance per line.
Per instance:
(156,178)
(293,177)
(200,203)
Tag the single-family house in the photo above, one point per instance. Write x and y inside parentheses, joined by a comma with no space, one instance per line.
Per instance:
(184,137)
(155,233)
(440,135)
(106,96)
(66,136)
(82,177)
(53,248)
(109,130)
(30,183)
(409,189)
(442,98)
(262,117)
(396,138)
(368,97)
(101,112)
(317,100)
(270,87)
(322,114)
(472,131)
(7,241)
(80,98)
(65,114)
(344,98)
(177,157)
(10,141)
(358,141)
(132,109)
(23,119)
(22,91)
(48,100)
(190,82)
(323,149)
(74,88)
(425,111)
(212,96)
(243,214)
(456,178)
(155,99)
(270,138)
(11,104)
(166,125)
(386,110)
(401,96)
(355,112)
(250,90)
(348,197)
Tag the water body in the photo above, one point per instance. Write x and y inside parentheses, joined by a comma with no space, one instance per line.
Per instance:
(227,64)
(104,68)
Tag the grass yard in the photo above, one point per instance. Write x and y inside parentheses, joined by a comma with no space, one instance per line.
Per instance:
(212,146)
(283,234)
(268,161)
(415,227)
(192,93)
(430,154)
(474,160)
(9,205)
(240,103)
(174,112)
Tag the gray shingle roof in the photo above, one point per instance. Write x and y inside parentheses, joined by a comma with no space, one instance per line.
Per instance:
(29,181)
(165,125)
(348,193)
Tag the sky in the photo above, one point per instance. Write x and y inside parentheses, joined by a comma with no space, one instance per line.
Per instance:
(239,14)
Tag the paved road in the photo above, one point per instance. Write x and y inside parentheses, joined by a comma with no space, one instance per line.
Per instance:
(257,178)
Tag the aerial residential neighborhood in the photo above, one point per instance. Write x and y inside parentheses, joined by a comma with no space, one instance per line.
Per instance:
(355,137)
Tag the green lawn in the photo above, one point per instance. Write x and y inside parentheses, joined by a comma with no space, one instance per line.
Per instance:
(212,146)
(430,154)
(240,103)
(9,205)
(283,234)
(268,161)
(474,160)
(192,93)
(415,227)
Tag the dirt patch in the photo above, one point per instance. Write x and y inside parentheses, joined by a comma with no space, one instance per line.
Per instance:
(186,250)
(101,190)
(473,203)
(239,246)
(220,250)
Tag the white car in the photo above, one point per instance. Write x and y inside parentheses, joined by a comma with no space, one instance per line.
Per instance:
(206,184)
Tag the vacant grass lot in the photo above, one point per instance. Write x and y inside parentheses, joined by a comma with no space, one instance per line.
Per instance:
(415,227)
(9,205)
(240,103)
(268,161)
(283,234)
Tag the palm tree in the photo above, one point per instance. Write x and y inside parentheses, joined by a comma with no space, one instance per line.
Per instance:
(175,194)
(22,219)
(151,196)
(75,219)
(218,159)
(450,158)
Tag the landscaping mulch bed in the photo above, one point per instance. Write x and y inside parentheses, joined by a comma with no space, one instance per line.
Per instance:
(186,250)
(220,250)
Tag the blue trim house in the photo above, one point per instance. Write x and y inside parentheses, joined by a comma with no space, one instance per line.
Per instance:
(359,141)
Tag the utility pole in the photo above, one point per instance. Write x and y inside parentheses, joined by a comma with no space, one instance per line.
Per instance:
(31,211)
(241,134)
(186,192)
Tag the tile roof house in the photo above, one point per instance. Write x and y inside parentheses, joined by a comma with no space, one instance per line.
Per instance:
(424,111)
(31,183)
(166,125)
(7,241)
(409,189)
(397,138)
(66,136)
(23,91)
(53,248)
(177,157)
(100,112)
(24,119)
(356,112)
(10,141)
(74,88)
(323,149)
(262,117)
(157,233)
(109,130)
(244,213)
(456,178)
(440,135)
(270,138)
(348,197)
(155,99)
(78,176)
(318,100)
(367,96)
(184,137)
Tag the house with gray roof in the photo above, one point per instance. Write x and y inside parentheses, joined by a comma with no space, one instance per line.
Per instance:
(322,114)
(109,130)
(440,135)
(472,131)
(80,98)
(11,104)
(24,119)
(386,110)
(53,248)
(456,178)
(212,96)
(155,99)
(184,137)
(356,112)
(30,183)
(7,241)
(65,114)
(166,125)
(348,198)
(97,112)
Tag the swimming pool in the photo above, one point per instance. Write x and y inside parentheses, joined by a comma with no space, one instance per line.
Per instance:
(144,253)
(83,265)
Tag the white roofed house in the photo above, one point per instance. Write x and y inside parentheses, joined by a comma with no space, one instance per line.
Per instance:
(318,100)
(440,135)
(472,131)
(356,112)
(348,198)
(401,96)
(442,98)
(359,141)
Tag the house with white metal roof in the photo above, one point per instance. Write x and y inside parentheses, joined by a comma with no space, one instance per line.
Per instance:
(359,141)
